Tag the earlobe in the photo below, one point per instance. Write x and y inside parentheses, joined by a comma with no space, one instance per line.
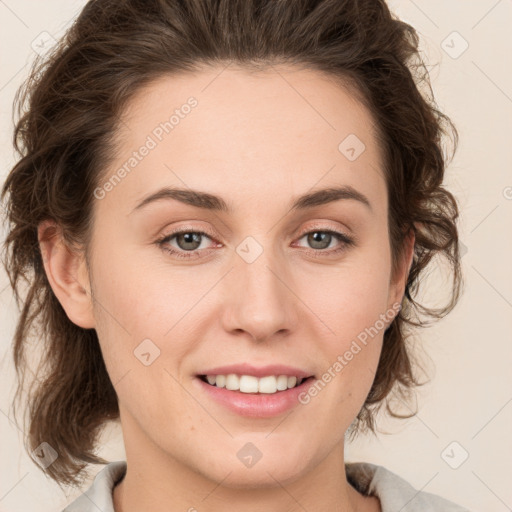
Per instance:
(67,274)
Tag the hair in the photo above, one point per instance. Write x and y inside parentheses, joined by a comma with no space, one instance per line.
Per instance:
(68,112)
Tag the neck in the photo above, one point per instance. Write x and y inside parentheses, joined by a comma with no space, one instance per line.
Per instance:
(149,489)
(158,482)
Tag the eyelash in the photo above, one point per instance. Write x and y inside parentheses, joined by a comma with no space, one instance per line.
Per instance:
(342,237)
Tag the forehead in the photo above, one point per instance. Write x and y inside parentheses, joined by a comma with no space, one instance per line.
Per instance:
(282,129)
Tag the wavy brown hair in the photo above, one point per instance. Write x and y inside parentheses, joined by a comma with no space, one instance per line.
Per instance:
(68,113)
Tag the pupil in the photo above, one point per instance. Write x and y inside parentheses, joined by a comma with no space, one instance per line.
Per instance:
(319,237)
(190,238)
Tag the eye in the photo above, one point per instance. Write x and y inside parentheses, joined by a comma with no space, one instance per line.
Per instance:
(189,242)
(320,241)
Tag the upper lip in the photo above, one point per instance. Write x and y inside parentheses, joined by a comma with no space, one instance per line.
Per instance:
(261,371)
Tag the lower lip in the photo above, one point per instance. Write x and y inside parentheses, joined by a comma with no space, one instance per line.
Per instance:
(261,405)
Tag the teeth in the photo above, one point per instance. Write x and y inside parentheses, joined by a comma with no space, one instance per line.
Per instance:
(232,382)
(250,384)
(282,382)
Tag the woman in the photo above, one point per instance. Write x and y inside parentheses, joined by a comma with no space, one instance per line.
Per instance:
(224,210)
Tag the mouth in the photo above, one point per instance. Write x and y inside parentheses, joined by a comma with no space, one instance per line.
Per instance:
(250,384)
(253,392)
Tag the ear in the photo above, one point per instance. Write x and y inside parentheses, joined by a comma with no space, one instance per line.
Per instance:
(67,274)
(399,280)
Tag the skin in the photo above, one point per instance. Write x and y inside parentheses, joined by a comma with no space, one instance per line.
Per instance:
(258,141)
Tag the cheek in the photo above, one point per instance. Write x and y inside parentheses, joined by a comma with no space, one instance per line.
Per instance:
(351,300)
(146,309)
(347,298)
(142,296)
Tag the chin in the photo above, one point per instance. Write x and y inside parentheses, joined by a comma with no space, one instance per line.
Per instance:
(266,472)
(258,477)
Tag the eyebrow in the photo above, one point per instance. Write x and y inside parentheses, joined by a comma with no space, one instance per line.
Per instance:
(212,202)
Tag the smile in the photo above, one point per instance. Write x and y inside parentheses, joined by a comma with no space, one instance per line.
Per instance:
(250,384)
(268,403)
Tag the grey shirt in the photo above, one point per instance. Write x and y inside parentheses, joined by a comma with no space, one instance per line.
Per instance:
(395,493)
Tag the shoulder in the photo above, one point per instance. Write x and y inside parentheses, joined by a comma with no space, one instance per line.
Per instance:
(99,495)
(394,492)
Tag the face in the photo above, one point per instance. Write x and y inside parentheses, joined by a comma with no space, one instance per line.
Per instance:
(257,276)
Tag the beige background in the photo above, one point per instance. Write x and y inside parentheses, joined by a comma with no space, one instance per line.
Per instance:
(469,400)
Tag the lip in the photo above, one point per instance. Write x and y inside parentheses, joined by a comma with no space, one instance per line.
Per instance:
(262,371)
(252,405)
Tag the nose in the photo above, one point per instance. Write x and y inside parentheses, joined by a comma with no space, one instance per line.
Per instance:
(260,301)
